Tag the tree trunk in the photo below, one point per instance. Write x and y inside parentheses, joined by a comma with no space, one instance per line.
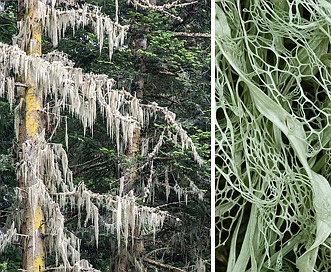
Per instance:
(130,173)
(31,125)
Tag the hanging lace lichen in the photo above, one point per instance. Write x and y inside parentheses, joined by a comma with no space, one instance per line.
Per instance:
(81,94)
(273,148)
(55,22)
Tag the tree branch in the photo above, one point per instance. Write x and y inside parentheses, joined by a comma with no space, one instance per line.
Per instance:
(145,4)
(191,35)
(92,166)
(163,265)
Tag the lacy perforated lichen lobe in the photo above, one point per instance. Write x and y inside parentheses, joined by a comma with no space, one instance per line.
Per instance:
(272,158)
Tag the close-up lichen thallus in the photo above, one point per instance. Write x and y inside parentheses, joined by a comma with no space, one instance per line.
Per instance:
(105,135)
(273,127)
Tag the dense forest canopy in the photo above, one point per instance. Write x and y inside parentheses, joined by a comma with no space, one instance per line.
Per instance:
(124,151)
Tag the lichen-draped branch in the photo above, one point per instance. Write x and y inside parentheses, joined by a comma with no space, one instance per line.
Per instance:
(80,93)
(57,191)
(55,23)
(164,9)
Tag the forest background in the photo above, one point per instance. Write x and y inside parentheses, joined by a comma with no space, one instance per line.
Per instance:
(163,60)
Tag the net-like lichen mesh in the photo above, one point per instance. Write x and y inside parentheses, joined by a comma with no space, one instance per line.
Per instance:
(273,135)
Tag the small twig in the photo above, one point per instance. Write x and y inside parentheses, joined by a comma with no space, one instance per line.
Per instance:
(23,235)
(53,268)
(173,203)
(19,84)
(163,265)
(156,250)
(71,219)
(74,192)
(7,19)
(8,213)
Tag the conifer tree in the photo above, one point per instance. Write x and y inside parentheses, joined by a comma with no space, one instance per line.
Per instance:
(42,87)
